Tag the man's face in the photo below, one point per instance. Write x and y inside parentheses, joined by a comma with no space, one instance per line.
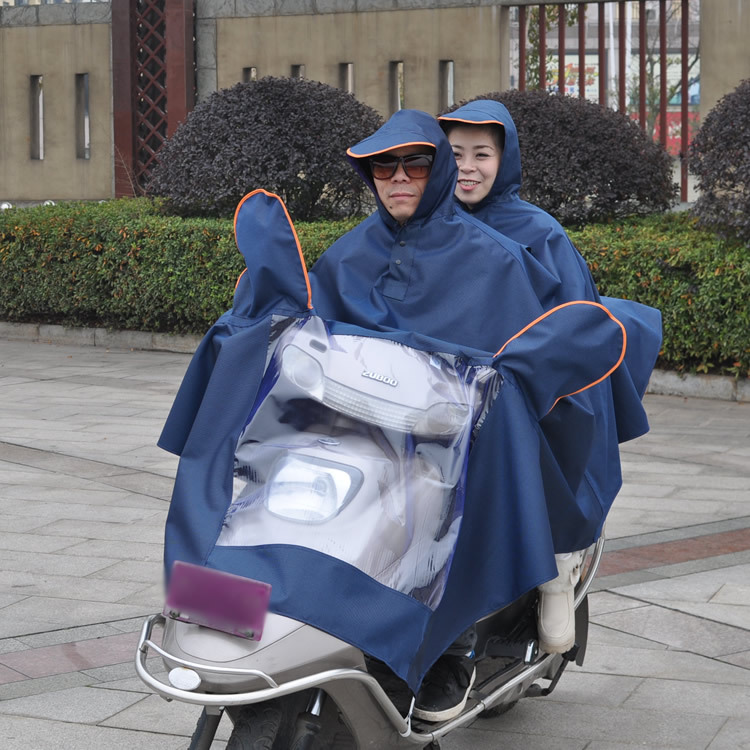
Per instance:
(478,157)
(400,193)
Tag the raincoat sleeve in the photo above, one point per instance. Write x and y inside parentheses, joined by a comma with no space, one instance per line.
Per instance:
(274,283)
(509,516)
(193,387)
(629,381)
(567,350)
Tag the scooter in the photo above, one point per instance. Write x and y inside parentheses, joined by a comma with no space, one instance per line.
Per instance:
(334,440)
(300,688)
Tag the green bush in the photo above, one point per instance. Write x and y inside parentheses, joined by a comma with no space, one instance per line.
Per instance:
(286,135)
(123,265)
(700,284)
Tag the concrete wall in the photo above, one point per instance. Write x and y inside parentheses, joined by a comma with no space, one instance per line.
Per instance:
(474,35)
(56,42)
(725,49)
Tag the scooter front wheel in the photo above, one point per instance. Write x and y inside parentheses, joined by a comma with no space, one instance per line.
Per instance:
(256,727)
(205,731)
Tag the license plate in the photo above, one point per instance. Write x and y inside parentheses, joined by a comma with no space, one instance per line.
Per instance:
(215,599)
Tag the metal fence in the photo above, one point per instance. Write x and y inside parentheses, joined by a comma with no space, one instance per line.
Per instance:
(588,50)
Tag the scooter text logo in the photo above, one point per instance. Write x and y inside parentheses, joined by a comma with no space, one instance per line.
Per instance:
(380,378)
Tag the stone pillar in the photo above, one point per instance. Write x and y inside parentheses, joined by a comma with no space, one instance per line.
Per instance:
(123,92)
(725,53)
(180,19)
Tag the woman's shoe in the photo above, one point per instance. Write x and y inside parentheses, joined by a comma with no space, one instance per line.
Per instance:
(557,618)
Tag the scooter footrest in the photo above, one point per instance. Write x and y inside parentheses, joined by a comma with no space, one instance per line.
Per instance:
(525,650)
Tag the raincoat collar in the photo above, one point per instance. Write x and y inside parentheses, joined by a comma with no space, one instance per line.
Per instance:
(489,112)
(406,128)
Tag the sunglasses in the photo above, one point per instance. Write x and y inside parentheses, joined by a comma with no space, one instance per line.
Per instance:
(415,166)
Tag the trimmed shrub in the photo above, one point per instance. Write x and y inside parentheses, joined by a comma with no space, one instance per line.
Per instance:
(719,156)
(285,135)
(583,163)
(121,265)
(117,265)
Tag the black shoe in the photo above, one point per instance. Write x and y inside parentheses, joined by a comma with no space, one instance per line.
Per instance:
(445,688)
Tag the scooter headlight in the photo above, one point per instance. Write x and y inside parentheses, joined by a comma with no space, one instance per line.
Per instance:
(443,419)
(310,490)
(303,370)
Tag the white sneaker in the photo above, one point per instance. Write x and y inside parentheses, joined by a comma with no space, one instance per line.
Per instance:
(557,618)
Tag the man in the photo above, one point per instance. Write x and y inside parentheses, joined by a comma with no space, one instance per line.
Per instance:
(420,263)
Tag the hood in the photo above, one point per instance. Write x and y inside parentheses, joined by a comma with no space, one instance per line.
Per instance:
(406,128)
(489,112)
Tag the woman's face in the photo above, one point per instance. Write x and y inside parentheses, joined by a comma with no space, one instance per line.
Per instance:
(478,158)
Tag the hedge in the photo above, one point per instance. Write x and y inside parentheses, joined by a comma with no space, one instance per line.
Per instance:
(122,265)
(700,283)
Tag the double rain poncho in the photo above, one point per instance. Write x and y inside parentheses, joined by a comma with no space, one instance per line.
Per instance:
(447,275)
(406,598)
(464,300)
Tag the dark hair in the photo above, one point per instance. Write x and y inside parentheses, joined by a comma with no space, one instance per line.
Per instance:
(495,128)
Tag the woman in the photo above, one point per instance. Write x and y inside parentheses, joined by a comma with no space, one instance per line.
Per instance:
(485,144)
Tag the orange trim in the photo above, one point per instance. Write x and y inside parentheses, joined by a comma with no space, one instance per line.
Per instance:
(471,122)
(294,232)
(237,283)
(349,152)
(567,304)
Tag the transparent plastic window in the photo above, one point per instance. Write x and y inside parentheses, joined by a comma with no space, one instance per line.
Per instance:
(357,448)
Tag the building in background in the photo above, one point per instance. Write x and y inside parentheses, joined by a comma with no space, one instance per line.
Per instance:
(89,90)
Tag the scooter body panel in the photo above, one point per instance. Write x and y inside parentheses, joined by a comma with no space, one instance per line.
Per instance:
(287,651)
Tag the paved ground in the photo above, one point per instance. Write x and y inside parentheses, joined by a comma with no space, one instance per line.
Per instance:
(83,498)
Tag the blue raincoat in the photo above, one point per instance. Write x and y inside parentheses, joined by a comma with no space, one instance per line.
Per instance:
(557,353)
(443,273)
(448,276)
(505,211)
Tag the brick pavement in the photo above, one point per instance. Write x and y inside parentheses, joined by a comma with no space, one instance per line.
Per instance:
(83,493)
